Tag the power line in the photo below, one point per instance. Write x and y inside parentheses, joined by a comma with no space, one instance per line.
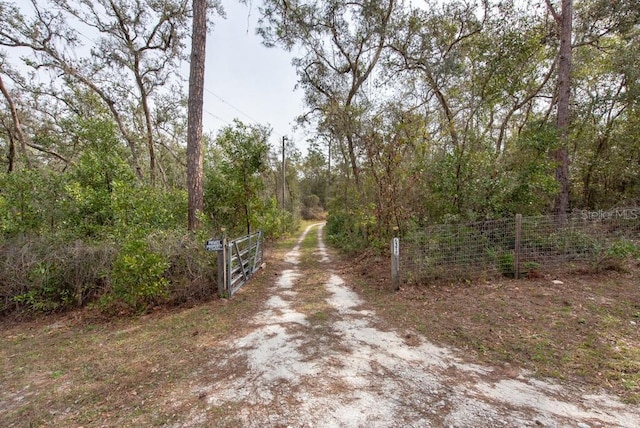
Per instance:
(93,43)
(232,106)
(217,117)
(256,122)
(238,110)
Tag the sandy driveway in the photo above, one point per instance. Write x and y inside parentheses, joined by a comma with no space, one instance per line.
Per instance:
(328,362)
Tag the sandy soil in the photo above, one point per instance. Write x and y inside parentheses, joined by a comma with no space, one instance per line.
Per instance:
(331,362)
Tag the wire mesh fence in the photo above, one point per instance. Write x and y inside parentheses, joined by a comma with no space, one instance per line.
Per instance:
(520,245)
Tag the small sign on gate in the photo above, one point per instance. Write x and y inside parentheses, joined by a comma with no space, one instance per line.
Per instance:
(214,245)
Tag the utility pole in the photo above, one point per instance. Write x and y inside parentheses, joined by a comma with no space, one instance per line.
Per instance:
(284,138)
(329,144)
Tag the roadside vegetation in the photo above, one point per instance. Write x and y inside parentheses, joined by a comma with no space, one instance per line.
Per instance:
(94,235)
(451,112)
(447,113)
(580,327)
(88,368)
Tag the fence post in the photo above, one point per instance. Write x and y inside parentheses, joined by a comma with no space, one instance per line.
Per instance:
(249,254)
(517,249)
(222,271)
(229,249)
(395,263)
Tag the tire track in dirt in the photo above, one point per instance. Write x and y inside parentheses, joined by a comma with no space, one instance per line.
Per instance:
(347,370)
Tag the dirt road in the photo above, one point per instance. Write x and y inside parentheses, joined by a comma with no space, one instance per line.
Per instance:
(316,356)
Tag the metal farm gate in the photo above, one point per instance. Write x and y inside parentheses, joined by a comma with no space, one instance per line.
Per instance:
(238,260)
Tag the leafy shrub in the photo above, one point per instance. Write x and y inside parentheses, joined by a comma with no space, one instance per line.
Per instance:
(615,255)
(191,271)
(623,248)
(575,243)
(506,264)
(273,221)
(48,292)
(45,274)
(30,202)
(137,276)
(341,231)
(139,209)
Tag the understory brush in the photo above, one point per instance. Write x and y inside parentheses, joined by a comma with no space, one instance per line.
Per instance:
(46,275)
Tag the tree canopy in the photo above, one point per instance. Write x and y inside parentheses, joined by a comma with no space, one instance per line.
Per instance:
(416,113)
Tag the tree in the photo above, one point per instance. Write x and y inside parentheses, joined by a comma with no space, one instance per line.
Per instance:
(342,43)
(16,131)
(139,46)
(235,182)
(605,78)
(144,37)
(194,130)
(564,21)
(314,169)
(477,72)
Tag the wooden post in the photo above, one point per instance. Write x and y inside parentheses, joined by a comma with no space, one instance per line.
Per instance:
(517,249)
(222,271)
(395,263)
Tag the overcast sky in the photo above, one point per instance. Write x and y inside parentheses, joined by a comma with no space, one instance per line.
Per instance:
(243,79)
(256,83)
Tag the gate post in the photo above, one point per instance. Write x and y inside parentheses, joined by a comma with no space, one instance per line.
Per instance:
(222,271)
(227,280)
(395,263)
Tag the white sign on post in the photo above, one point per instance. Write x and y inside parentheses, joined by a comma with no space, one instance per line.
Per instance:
(395,263)
(214,245)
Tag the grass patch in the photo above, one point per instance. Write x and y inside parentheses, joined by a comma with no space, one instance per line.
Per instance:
(82,369)
(74,370)
(585,330)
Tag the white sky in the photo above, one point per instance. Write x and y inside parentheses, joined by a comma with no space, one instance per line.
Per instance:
(243,79)
(256,83)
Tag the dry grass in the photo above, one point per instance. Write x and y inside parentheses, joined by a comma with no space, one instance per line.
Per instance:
(82,370)
(585,330)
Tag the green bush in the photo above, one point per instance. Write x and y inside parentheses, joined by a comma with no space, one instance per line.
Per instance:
(48,291)
(41,274)
(30,202)
(615,256)
(138,209)
(191,271)
(342,231)
(137,277)
(506,264)
(273,221)
(623,248)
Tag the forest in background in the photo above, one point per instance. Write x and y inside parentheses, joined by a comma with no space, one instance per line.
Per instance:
(454,111)
(420,112)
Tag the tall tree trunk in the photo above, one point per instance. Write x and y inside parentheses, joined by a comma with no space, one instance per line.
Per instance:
(18,128)
(194,127)
(561,155)
(11,156)
(144,97)
(353,161)
(11,152)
